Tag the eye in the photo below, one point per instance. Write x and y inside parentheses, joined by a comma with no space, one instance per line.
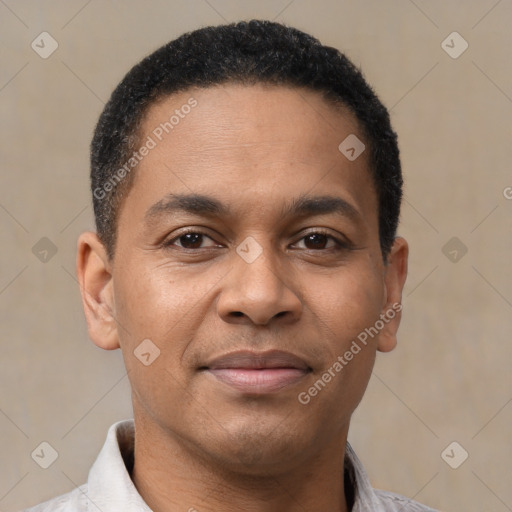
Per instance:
(192,240)
(319,240)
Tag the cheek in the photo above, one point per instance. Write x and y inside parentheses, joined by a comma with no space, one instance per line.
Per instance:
(148,300)
(137,301)
(349,302)
(165,305)
(344,309)
(150,312)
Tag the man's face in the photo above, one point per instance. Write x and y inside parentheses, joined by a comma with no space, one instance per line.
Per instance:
(248,253)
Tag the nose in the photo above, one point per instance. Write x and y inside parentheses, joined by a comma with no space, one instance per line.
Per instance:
(257,292)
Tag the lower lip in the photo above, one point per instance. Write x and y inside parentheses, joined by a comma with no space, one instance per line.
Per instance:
(256,381)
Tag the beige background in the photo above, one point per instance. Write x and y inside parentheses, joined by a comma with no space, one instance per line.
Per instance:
(449,379)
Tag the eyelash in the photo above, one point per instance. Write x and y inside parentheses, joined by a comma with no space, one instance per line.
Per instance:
(340,244)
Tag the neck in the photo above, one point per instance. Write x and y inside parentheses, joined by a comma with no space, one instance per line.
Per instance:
(170,477)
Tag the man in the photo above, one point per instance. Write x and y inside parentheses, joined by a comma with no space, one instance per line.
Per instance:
(246,186)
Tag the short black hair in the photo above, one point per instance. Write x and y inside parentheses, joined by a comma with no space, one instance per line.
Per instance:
(247,52)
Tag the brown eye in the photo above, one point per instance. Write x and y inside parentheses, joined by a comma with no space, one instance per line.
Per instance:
(319,241)
(192,240)
(316,241)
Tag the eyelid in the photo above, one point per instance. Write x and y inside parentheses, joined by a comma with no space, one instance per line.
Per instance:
(340,240)
(169,242)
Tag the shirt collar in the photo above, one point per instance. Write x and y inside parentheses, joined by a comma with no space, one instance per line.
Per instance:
(110,486)
(364,495)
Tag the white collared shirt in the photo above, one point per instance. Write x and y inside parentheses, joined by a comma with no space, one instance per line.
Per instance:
(109,487)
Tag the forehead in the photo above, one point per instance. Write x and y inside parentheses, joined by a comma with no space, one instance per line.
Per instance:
(260,143)
(257,114)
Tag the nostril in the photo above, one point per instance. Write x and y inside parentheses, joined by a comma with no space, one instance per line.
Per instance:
(237,313)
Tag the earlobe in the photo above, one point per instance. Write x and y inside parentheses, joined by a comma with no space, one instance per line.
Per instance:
(96,287)
(395,276)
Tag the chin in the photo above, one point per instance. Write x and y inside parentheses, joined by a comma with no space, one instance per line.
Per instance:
(257,449)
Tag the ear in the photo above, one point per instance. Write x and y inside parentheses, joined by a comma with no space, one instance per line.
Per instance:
(394,280)
(93,270)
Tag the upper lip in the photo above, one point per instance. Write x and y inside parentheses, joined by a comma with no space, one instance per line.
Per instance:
(257,360)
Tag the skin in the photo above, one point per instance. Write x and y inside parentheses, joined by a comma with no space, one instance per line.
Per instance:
(200,444)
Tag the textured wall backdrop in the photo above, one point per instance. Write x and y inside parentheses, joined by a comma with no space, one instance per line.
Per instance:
(444,70)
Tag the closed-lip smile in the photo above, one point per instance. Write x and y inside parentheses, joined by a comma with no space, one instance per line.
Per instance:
(258,372)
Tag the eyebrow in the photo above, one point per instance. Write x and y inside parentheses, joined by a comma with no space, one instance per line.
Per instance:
(320,205)
(191,203)
(207,206)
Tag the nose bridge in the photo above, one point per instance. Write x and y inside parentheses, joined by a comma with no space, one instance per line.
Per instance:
(257,288)
(261,276)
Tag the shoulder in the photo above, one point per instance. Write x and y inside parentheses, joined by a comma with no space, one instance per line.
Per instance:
(74,501)
(394,503)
